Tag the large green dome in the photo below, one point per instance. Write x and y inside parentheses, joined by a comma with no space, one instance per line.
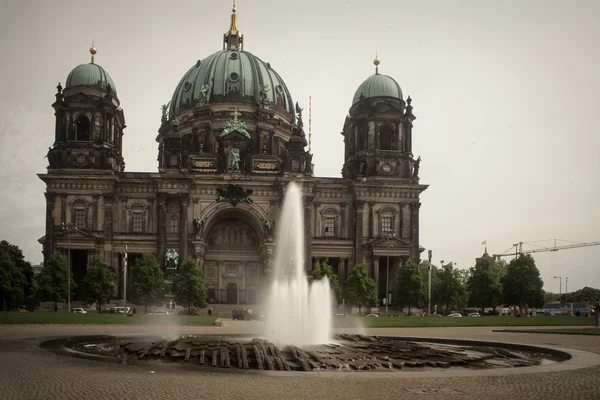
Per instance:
(90,75)
(231,75)
(378,86)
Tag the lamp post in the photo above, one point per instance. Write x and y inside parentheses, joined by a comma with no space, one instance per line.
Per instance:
(567,289)
(559,288)
(429,254)
(388,235)
(68,229)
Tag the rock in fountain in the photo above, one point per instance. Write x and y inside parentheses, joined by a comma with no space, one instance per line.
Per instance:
(297,312)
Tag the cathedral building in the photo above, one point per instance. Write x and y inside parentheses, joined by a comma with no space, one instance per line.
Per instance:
(229,142)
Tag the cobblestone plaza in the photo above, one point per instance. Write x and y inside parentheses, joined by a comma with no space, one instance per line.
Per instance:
(28,372)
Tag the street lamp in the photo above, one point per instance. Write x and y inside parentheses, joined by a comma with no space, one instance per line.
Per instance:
(68,229)
(559,288)
(567,289)
(429,254)
(388,235)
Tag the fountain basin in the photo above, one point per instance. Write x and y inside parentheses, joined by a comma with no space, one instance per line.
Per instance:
(348,353)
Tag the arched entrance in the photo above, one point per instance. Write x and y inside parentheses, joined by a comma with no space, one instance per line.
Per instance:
(232,261)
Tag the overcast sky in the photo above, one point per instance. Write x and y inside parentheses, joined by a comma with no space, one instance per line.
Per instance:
(505,94)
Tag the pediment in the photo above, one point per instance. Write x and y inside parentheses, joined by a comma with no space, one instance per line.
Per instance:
(386,243)
(79,98)
(236,135)
(387,108)
(78,235)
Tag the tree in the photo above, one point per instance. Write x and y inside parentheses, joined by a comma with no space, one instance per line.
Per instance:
(450,289)
(522,283)
(189,287)
(148,281)
(98,283)
(485,285)
(16,255)
(52,280)
(324,269)
(360,289)
(410,289)
(12,283)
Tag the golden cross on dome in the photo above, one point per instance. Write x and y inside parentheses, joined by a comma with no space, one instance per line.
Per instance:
(236,114)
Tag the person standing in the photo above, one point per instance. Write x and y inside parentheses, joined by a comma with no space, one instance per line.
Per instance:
(597,312)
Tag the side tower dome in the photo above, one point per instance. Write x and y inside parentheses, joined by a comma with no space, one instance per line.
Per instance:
(378,131)
(89,121)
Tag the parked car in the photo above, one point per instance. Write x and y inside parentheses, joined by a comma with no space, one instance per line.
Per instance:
(474,314)
(79,311)
(372,315)
(455,315)
(435,315)
(158,312)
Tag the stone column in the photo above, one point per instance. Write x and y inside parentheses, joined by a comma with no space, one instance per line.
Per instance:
(406,216)
(359,207)
(371,218)
(151,223)
(161,229)
(108,230)
(344,224)
(95,212)
(63,208)
(49,240)
(308,229)
(124,226)
(183,223)
(376,275)
(415,254)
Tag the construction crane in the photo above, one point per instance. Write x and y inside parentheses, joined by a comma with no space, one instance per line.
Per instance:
(519,247)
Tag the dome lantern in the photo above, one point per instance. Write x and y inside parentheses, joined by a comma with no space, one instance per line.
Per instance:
(233,39)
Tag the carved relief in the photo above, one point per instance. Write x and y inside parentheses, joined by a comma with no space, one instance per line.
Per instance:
(232,233)
(233,272)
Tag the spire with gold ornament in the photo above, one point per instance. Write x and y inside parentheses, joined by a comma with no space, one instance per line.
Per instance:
(233,39)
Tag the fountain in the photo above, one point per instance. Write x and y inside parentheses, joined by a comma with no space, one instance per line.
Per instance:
(298,332)
(297,312)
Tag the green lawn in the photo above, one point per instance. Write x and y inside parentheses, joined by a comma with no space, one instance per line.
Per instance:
(101,319)
(567,331)
(342,322)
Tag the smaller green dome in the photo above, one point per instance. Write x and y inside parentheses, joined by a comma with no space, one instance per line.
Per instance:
(90,75)
(378,86)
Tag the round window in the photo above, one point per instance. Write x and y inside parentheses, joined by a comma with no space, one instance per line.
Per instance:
(234,77)
(187,86)
(279,89)
(234,56)
(387,168)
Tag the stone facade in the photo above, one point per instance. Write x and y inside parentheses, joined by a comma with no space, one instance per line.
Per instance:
(222,141)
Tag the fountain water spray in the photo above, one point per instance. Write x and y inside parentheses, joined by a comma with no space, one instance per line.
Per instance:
(297,312)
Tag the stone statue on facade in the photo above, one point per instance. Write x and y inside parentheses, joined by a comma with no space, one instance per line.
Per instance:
(164,108)
(234,160)
(299,113)
(269,226)
(171,259)
(199,224)
(264,90)
(416,165)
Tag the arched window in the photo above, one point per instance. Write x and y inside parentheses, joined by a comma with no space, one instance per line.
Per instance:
(137,217)
(330,222)
(386,137)
(387,221)
(79,213)
(174,225)
(82,128)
